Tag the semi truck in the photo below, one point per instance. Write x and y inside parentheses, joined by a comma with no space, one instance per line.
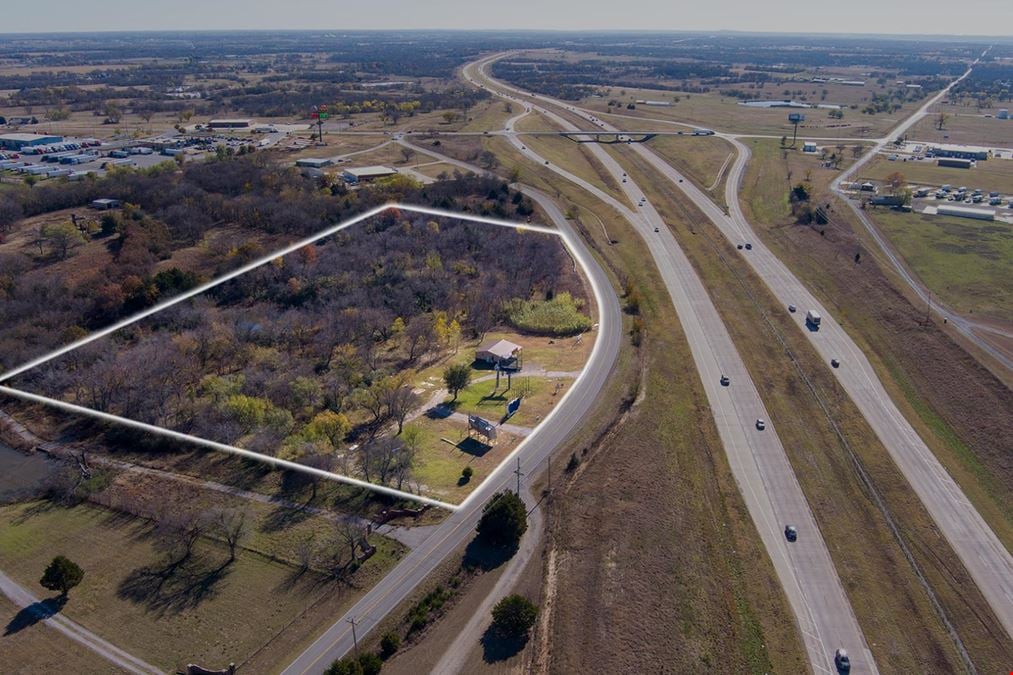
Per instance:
(812,319)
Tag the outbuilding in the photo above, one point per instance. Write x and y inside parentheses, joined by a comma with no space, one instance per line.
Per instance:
(808,146)
(502,353)
(106,204)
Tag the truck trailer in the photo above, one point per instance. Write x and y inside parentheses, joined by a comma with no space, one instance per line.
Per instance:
(812,319)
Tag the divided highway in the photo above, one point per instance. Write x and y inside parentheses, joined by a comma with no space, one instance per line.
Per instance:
(981,552)
(757,458)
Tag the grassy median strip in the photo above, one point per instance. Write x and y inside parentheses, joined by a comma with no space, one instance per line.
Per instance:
(903,630)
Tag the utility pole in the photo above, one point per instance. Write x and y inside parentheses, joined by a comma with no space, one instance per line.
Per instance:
(519,474)
(928,308)
(355,640)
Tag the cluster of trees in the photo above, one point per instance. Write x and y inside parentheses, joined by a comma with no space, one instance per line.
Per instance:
(243,199)
(302,354)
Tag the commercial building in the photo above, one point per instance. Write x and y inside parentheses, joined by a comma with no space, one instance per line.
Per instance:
(230,124)
(502,353)
(367,173)
(955,162)
(959,151)
(313,162)
(887,200)
(19,141)
(965,212)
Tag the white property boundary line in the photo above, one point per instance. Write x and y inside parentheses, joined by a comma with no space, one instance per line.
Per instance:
(274,461)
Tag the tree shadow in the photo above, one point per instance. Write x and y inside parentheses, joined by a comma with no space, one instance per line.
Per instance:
(481,556)
(283,517)
(174,587)
(496,647)
(34,613)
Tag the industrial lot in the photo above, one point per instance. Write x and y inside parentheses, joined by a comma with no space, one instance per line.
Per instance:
(329,353)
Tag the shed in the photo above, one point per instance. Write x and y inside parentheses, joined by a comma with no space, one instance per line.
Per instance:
(499,352)
(106,204)
(808,146)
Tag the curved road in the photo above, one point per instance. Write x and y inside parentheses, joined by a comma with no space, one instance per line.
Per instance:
(757,458)
(337,640)
(984,556)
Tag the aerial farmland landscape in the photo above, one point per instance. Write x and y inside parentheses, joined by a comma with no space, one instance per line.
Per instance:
(536,339)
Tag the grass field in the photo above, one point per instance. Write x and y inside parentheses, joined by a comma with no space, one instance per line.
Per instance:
(966,126)
(968,263)
(883,589)
(989,175)
(199,614)
(723,113)
(32,647)
(705,160)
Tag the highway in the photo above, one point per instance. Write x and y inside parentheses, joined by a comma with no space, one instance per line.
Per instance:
(459,527)
(758,461)
(981,552)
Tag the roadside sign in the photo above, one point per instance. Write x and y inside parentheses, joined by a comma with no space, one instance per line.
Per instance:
(513,406)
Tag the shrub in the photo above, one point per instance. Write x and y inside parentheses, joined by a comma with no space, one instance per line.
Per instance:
(389,644)
(513,616)
(504,520)
(559,316)
(467,473)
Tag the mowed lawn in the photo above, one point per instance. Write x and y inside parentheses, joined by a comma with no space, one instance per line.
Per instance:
(969,263)
(196,616)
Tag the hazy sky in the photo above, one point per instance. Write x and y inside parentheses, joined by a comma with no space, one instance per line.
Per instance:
(970,17)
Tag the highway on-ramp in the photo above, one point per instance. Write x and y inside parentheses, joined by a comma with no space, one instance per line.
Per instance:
(986,559)
(579,401)
(758,460)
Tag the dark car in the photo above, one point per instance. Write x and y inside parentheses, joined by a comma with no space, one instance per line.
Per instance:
(842,661)
(749,247)
(790,533)
(725,381)
(835,363)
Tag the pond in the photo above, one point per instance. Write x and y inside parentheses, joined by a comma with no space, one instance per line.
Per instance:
(21,473)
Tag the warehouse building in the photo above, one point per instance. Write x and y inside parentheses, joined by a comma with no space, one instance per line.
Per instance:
(958,151)
(230,124)
(367,173)
(955,162)
(313,162)
(20,141)
(965,212)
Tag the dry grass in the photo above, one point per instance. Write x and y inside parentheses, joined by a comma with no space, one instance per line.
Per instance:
(37,648)
(965,126)
(250,602)
(959,409)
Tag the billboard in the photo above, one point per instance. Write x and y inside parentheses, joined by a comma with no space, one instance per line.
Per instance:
(796,117)
(513,406)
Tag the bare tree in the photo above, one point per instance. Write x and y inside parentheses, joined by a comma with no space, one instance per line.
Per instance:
(232,526)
